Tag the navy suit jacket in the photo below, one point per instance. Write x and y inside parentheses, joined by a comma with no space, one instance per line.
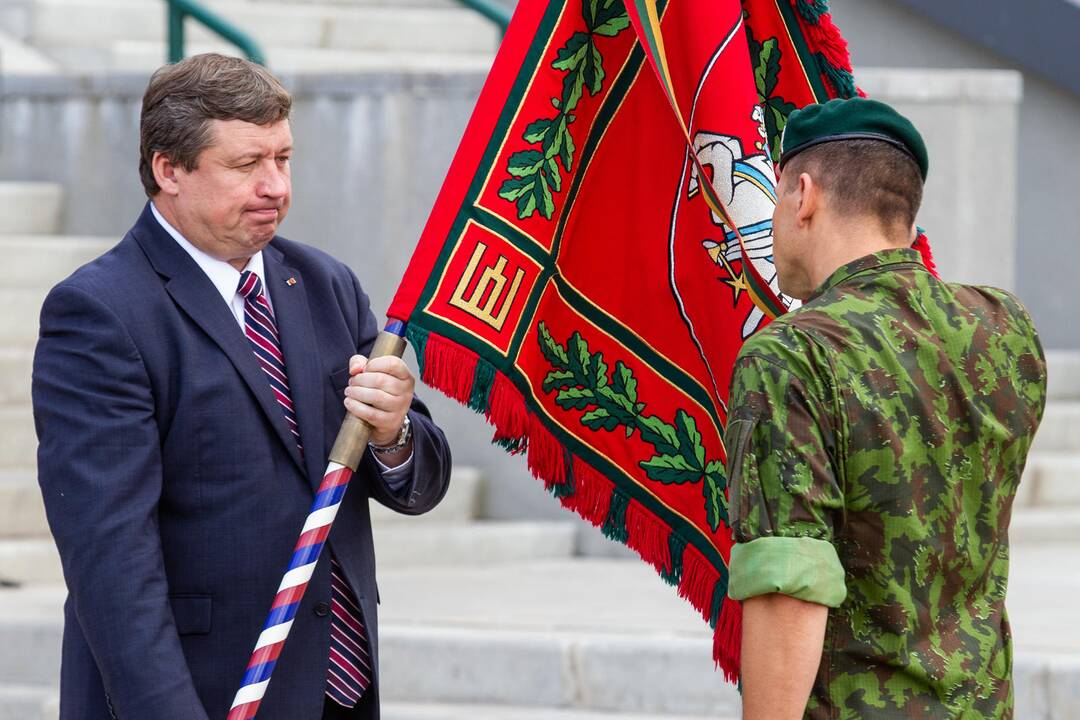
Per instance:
(175,491)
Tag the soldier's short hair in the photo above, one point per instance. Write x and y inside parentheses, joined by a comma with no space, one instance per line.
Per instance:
(864,178)
(182,99)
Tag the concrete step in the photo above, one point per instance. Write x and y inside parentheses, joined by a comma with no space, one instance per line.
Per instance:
(588,635)
(33,560)
(1063,374)
(1045,525)
(38,262)
(460,505)
(22,513)
(26,561)
(18,441)
(1052,479)
(414,30)
(19,702)
(144,56)
(40,703)
(654,674)
(480,543)
(31,208)
(16,365)
(1060,428)
(424,663)
(58,24)
(17,58)
(20,320)
(445,711)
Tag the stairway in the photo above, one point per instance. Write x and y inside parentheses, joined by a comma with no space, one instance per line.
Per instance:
(296,36)
(500,620)
(1048,504)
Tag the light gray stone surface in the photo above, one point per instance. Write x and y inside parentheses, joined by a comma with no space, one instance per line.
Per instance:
(22,514)
(15,368)
(1031,691)
(660,675)
(1060,428)
(589,635)
(30,207)
(1055,477)
(66,24)
(1063,371)
(1064,681)
(431,711)
(30,652)
(477,543)
(25,703)
(885,34)
(17,57)
(455,665)
(30,560)
(146,55)
(1054,524)
(37,262)
(18,442)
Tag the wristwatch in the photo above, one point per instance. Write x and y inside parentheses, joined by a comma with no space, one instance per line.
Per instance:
(401,441)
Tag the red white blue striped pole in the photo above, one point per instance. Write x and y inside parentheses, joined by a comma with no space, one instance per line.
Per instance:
(345,457)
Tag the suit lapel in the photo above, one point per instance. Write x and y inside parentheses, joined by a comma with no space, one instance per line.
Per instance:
(196,295)
(288,295)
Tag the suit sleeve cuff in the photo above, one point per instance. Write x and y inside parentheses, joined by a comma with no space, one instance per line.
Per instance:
(396,478)
(799,567)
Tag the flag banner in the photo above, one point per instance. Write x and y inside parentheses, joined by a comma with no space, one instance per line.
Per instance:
(602,246)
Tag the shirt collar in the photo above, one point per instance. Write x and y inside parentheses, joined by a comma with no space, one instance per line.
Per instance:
(873,261)
(224,276)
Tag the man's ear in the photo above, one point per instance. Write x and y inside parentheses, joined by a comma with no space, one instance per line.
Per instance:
(809,199)
(165,173)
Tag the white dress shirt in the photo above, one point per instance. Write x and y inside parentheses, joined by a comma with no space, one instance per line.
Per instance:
(226,279)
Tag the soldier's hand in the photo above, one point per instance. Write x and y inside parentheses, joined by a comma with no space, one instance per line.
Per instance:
(380,392)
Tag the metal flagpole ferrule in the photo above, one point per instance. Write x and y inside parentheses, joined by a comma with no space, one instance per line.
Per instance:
(352,438)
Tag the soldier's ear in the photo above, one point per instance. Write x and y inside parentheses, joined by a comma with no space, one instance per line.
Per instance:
(809,198)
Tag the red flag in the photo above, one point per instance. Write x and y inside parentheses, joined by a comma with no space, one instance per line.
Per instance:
(602,246)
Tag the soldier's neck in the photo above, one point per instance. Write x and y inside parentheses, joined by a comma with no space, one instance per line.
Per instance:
(846,242)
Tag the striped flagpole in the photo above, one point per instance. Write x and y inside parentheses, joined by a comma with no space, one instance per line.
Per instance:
(344,459)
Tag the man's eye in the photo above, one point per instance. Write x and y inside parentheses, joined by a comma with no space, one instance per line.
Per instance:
(248,165)
(282,159)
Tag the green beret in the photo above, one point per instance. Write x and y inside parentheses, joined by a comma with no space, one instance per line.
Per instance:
(852,119)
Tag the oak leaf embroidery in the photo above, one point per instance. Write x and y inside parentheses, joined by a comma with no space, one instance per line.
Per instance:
(583,381)
(535,175)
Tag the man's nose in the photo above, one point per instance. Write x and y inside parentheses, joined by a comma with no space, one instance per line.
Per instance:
(273,182)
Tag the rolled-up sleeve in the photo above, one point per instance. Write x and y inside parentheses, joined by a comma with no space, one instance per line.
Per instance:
(784,495)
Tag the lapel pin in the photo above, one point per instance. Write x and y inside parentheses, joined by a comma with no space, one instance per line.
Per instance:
(291,281)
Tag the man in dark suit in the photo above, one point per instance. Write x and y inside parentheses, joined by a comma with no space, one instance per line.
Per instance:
(188,385)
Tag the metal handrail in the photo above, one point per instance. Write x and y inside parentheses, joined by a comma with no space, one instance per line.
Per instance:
(180,9)
(492,10)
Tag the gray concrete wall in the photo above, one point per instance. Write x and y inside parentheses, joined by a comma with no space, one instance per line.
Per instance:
(882,33)
(371,153)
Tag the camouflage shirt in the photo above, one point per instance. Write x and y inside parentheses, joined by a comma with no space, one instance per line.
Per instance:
(876,442)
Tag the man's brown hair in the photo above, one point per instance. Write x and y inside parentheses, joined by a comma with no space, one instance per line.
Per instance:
(863,178)
(182,99)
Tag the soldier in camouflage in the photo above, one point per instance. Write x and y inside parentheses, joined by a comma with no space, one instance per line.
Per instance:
(876,442)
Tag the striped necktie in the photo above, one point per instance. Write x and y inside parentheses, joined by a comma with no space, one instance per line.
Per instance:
(349,673)
(262,333)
